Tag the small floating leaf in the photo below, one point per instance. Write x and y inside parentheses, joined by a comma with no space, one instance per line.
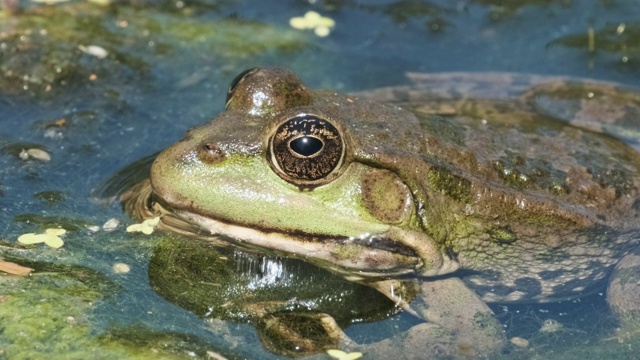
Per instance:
(146,227)
(94,50)
(111,224)
(121,268)
(49,2)
(153,221)
(51,237)
(54,241)
(34,153)
(39,154)
(341,355)
(55,232)
(312,20)
(31,238)
(134,228)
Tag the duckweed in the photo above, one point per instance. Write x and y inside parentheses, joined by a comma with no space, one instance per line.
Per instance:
(51,237)
(341,355)
(146,227)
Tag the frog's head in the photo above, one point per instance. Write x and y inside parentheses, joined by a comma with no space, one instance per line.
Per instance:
(283,169)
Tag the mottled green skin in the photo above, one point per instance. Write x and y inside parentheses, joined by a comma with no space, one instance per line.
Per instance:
(524,187)
(542,209)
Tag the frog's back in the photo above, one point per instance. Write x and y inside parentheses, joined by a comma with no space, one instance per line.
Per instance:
(537,178)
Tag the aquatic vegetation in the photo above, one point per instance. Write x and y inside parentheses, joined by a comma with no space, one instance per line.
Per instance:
(402,12)
(51,197)
(146,227)
(44,222)
(47,315)
(51,237)
(341,355)
(37,154)
(320,25)
(501,8)
(48,48)
(22,150)
(615,38)
(619,42)
(121,268)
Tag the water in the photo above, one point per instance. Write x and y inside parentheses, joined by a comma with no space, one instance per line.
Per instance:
(167,69)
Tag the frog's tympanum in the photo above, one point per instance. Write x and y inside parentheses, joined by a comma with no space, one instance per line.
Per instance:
(466,189)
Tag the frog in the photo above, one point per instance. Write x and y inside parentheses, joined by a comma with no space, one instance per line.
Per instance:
(446,195)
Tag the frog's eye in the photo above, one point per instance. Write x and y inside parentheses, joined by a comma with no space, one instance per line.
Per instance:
(236,81)
(306,149)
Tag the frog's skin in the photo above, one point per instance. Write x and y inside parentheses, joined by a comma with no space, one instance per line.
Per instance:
(485,187)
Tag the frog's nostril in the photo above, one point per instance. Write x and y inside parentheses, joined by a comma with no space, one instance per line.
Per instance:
(211,153)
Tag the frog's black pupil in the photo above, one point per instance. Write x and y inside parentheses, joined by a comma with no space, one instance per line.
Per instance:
(306,145)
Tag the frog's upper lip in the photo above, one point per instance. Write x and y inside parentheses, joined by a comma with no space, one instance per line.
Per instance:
(363,256)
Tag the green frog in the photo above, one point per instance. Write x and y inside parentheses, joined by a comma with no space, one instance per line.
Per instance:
(455,191)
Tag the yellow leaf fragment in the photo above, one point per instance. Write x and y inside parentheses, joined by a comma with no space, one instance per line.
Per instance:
(54,241)
(519,342)
(312,17)
(298,23)
(14,269)
(321,31)
(49,2)
(146,227)
(121,268)
(111,224)
(94,50)
(313,21)
(31,238)
(215,356)
(55,232)
(152,222)
(101,2)
(341,355)
(39,154)
(51,237)
(134,228)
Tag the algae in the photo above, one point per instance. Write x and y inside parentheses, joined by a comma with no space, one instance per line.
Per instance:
(45,49)
(43,222)
(49,316)
(51,197)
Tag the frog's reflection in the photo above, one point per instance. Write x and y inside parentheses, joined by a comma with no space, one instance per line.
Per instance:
(296,308)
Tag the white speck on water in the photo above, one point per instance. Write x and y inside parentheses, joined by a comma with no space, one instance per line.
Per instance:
(94,50)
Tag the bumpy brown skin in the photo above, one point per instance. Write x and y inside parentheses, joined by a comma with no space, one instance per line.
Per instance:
(503,186)
(624,291)
(543,210)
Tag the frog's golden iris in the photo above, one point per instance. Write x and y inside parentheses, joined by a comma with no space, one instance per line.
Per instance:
(305,149)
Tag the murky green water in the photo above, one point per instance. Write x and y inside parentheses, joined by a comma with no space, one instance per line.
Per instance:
(165,68)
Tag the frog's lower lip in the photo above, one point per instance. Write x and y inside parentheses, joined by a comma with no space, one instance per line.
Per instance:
(365,256)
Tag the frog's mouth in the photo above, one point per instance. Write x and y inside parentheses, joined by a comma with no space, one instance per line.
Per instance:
(372,255)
